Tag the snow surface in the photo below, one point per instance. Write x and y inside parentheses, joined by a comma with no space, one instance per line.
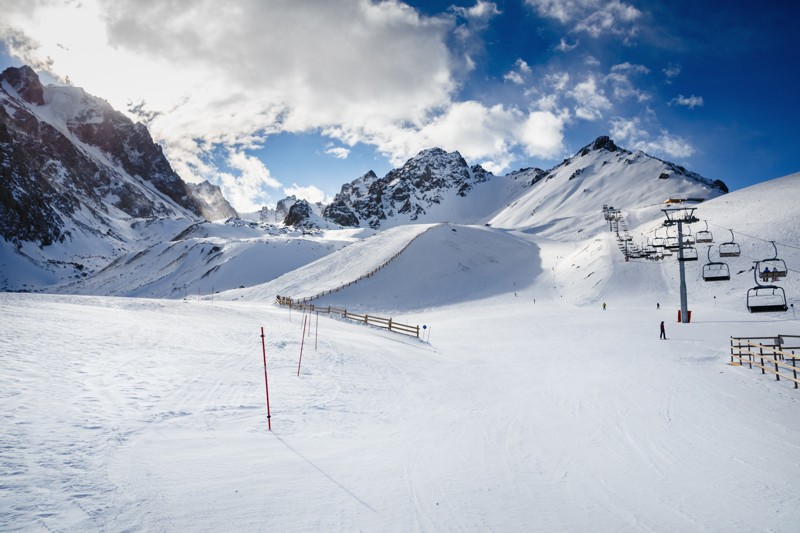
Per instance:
(525,407)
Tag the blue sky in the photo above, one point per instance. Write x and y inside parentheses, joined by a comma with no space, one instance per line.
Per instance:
(285,97)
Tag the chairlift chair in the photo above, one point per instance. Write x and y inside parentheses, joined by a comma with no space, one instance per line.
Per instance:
(688,238)
(704,236)
(772,269)
(671,243)
(715,270)
(729,249)
(765,298)
(689,254)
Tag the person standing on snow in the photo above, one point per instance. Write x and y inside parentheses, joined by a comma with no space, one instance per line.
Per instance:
(604,306)
(663,331)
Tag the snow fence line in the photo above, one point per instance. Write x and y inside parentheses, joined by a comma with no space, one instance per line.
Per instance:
(768,356)
(385,323)
(368,274)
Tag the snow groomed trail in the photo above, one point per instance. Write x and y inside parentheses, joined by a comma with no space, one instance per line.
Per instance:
(124,414)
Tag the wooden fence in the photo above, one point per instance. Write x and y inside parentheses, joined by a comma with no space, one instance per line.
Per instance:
(770,354)
(385,323)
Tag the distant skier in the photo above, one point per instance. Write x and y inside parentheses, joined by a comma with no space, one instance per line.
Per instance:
(663,331)
(604,306)
(658,305)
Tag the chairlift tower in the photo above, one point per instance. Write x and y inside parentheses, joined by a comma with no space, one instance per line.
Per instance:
(680,216)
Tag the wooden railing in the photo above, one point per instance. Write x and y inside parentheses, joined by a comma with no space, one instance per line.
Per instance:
(385,323)
(770,354)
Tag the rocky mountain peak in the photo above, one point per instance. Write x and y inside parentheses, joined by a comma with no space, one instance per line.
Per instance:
(601,143)
(406,193)
(25,83)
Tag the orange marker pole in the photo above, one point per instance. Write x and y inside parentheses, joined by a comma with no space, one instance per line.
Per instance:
(302,341)
(266,381)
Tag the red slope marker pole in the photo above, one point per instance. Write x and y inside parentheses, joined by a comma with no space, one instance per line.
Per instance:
(266,382)
(302,341)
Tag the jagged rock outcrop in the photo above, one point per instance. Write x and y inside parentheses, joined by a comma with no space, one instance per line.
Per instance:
(299,214)
(213,205)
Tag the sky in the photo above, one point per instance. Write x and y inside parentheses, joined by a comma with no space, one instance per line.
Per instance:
(268,99)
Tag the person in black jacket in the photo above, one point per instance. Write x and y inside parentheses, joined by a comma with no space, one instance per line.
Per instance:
(663,331)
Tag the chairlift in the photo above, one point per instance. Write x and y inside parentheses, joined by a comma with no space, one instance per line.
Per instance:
(689,254)
(729,249)
(688,238)
(765,298)
(659,242)
(771,269)
(672,242)
(715,270)
(704,236)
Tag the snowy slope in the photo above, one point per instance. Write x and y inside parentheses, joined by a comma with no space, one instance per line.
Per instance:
(526,407)
(514,417)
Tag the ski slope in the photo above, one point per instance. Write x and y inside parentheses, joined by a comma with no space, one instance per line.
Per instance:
(525,407)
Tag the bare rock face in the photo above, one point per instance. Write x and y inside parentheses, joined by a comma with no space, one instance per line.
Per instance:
(213,205)
(69,161)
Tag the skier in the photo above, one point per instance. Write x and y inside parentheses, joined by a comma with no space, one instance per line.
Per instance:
(604,306)
(663,332)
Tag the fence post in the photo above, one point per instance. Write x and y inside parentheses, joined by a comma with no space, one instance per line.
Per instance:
(777,371)
(390,324)
(761,357)
(794,369)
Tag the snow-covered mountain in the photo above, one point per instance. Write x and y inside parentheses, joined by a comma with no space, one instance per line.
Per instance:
(433,185)
(80,182)
(600,174)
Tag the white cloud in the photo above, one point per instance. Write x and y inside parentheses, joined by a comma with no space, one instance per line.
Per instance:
(543,134)
(246,191)
(593,17)
(591,61)
(629,68)
(688,101)
(480,14)
(564,46)
(310,193)
(634,134)
(521,71)
(590,100)
(620,80)
(339,152)
(614,18)
(671,71)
